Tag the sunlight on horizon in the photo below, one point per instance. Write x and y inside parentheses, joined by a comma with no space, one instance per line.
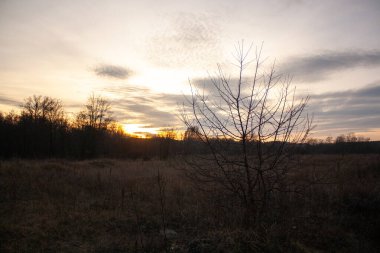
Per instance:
(140,130)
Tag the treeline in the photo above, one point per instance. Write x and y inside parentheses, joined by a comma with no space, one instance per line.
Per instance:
(342,144)
(43,130)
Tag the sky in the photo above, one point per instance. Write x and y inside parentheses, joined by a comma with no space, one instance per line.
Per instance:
(141,55)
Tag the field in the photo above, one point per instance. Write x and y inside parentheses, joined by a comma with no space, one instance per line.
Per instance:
(150,206)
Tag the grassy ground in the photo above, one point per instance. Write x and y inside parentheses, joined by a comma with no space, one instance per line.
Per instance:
(125,206)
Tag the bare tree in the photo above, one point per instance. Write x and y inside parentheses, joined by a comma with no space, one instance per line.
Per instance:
(191,133)
(97,113)
(46,116)
(250,125)
(46,108)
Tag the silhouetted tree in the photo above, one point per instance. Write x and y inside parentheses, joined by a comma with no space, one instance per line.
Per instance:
(96,114)
(261,115)
(9,135)
(166,137)
(46,108)
(192,133)
(41,120)
(94,121)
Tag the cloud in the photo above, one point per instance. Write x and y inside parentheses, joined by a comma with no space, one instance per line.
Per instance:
(352,110)
(128,110)
(8,101)
(141,105)
(206,85)
(369,91)
(318,67)
(291,3)
(112,71)
(189,38)
(365,93)
(210,85)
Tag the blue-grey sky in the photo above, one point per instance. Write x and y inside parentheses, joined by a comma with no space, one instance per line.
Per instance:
(141,54)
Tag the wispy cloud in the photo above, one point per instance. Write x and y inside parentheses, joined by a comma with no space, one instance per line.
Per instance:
(141,105)
(112,71)
(353,110)
(190,37)
(290,3)
(9,101)
(318,67)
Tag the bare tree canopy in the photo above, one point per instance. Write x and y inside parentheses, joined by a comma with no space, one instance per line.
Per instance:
(47,108)
(97,113)
(249,124)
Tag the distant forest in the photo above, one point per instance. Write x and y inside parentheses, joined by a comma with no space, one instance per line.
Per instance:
(43,130)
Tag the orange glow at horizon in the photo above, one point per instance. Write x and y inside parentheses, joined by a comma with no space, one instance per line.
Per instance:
(139,130)
(145,132)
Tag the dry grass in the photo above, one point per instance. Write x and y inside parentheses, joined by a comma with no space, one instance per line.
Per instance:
(114,206)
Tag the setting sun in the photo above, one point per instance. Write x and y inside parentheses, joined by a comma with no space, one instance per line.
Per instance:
(139,130)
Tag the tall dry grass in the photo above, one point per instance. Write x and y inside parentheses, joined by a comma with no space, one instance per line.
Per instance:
(125,206)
